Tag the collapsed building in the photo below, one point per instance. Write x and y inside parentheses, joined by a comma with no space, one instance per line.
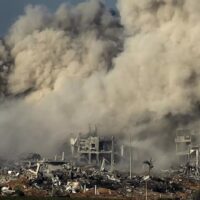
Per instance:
(187,148)
(64,177)
(102,151)
(94,149)
(91,148)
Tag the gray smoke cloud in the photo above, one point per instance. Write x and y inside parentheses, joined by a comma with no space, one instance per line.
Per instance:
(79,66)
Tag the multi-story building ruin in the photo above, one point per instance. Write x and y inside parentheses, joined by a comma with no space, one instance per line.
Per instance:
(187,147)
(92,148)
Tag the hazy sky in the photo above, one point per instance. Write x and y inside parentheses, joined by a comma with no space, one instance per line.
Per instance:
(11,9)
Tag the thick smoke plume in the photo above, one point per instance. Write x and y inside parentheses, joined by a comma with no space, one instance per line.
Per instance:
(137,73)
(54,86)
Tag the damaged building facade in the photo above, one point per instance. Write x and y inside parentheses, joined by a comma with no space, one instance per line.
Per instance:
(93,149)
(187,147)
(112,152)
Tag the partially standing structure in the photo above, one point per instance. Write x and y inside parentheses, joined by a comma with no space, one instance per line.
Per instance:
(183,141)
(187,147)
(93,149)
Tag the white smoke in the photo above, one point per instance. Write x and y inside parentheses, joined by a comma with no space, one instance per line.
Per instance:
(67,43)
(74,72)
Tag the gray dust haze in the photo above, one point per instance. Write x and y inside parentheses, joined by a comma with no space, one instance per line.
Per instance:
(136,72)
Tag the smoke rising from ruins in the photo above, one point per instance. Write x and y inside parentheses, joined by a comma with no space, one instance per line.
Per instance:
(136,73)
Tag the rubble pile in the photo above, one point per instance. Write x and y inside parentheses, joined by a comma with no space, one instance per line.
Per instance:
(62,179)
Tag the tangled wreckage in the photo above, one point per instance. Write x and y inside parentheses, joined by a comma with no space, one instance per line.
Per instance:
(91,172)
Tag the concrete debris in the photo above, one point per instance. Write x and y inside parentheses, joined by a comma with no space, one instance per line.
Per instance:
(65,179)
(7,191)
(33,175)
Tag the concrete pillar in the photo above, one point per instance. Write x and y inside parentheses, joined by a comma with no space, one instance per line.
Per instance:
(97,158)
(112,155)
(89,157)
